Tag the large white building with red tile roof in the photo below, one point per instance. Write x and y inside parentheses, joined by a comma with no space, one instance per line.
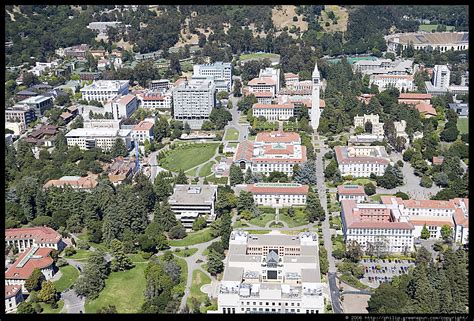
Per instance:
(32,258)
(142,131)
(385,81)
(76,182)
(156,100)
(13,297)
(351,192)
(264,97)
(278,194)
(414,98)
(274,112)
(361,161)
(27,237)
(262,84)
(271,151)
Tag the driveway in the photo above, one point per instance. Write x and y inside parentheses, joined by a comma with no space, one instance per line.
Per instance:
(72,302)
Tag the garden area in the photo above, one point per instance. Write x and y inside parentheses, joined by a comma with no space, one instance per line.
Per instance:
(201,236)
(199,279)
(187,156)
(262,219)
(231,134)
(298,219)
(185,252)
(463,125)
(68,278)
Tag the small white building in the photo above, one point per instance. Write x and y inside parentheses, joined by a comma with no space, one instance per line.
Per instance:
(104,138)
(142,131)
(103,90)
(385,81)
(279,194)
(351,192)
(13,297)
(361,161)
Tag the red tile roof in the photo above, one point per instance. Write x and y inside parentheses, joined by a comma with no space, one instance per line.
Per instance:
(459,217)
(290,75)
(421,222)
(40,234)
(280,106)
(11,290)
(414,96)
(143,125)
(278,190)
(438,160)
(125,100)
(263,94)
(300,160)
(426,109)
(83,182)
(262,81)
(289,150)
(244,151)
(278,137)
(40,259)
(149,97)
(350,190)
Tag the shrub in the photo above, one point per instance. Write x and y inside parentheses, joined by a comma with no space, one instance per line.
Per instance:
(83,245)
(369,189)
(69,251)
(61,262)
(147,255)
(400,163)
(338,254)
(402,195)
(426,182)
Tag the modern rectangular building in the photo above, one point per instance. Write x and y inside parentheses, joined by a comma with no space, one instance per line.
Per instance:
(361,161)
(142,131)
(441,76)
(103,90)
(104,138)
(193,101)
(23,114)
(401,82)
(39,104)
(160,85)
(221,71)
(377,127)
(271,273)
(462,109)
(278,194)
(189,202)
(122,106)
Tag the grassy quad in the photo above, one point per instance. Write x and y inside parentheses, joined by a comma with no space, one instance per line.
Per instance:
(187,156)
(231,134)
(298,220)
(68,278)
(206,169)
(463,125)
(431,28)
(258,231)
(262,220)
(199,279)
(81,255)
(192,238)
(124,289)
(258,56)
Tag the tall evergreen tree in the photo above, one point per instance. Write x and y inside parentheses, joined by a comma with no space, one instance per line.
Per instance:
(165,217)
(120,261)
(235,175)
(181,178)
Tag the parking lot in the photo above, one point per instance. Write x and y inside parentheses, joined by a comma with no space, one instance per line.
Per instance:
(378,271)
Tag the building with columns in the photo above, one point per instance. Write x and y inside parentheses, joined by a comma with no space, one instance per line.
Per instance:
(278,194)
(42,236)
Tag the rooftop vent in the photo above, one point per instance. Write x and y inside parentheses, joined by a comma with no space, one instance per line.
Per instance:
(194,190)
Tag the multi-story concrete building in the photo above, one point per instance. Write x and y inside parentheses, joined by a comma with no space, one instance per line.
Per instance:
(32,258)
(189,202)
(122,106)
(273,73)
(378,228)
(142,131)
(193,101)
(361,161)
(401,82)
(271,151)
(351,192)
(274,111)
(13,297)
(103,90)
(262,84)
(159,101)
(23,114)
(462,109)
(377,127)
(27,237)
(291,78)
(221,71)
(103,138)
(39,104)
(279,194)
(264,97)
(160,85)
(441,76)
(271,273)
(76,182)
(384,66)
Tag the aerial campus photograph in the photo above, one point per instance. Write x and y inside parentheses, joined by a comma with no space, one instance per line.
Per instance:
(230,159)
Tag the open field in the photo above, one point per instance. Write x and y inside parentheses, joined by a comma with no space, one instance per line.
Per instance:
(199,279)
(262,220)
(342,17)
(192,238)
(284,18)
(431,28)
(206,169)
(261,55)
(231,134)
(186,157)
(68,278)
(463,125)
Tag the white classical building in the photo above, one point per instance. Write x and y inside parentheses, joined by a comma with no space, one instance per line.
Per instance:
(385,81)
(103,138)
(189,202)
(351,192)
(27,237)
(103,90)
(13,297)
(271,273)
(279,194)
(273,73)
(221,71)
(361,161)
(193,101)
(271,151)
(378,228)
(377,127)
(274,111)
(262,85)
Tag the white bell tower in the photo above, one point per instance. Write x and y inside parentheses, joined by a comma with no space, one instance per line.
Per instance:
(315,112)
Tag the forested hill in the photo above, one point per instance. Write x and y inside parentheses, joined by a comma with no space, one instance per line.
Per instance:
(36,31)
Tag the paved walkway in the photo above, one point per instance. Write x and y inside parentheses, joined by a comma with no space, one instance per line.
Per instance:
(72,302)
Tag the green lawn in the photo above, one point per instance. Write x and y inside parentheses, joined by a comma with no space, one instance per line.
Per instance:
(206,169)
(258,231)
(298,220)
(199,279)
(430,28)
(81,255)
(231,134)
(251,137)
(186,253)
(240,224)
(259,56)
(233,144)
(85,237)
(191,172)
(68,278)
(47,308)
(463,125)
(296,232)
(192,238)
(179,289)
(221,180)
(186,157)
(353,281)
(123,289)
(262,220)
(360,181)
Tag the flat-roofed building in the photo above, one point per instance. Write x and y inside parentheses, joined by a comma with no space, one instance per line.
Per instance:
(351,192)
(23,114)
(271,151)
(279,194)
(103,138)
(462,109)
(122,106)
(262,84)
(441,76)
(273,73)
(32,258)
(378,228)
(39,103)
(271,273)
(157,100)
(103,90)
(361,161)
(377,127)
(27,237)
(274,111)
(189,202)
(160,85)
(13,297)
(401,82)
(221,71)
